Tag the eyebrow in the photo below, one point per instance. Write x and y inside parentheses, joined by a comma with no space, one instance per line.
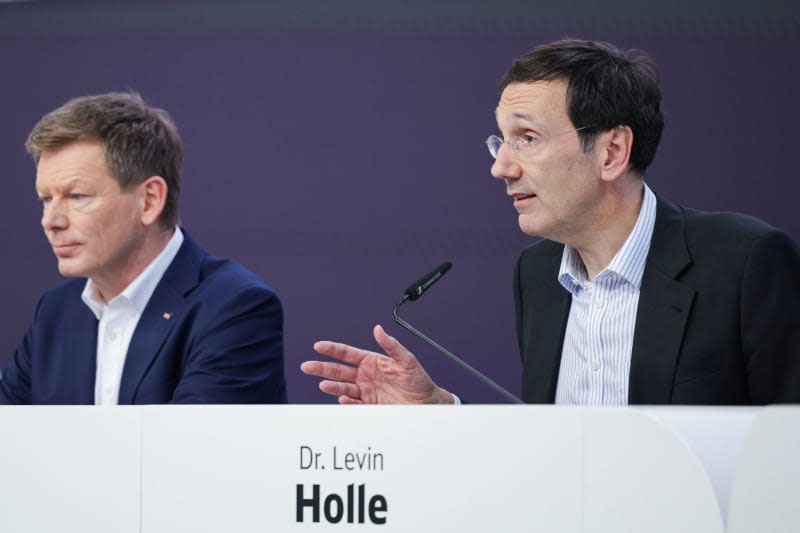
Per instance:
(520,115)
(521,120)
(523,116)
(61,187)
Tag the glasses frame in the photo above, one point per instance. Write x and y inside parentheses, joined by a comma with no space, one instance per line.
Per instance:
(520,145)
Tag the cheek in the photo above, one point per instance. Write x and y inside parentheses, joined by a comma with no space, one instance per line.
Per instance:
(101,227)
(574,182)
(121,226)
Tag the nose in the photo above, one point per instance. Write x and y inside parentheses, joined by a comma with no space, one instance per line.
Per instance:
(54,217)
(506,166)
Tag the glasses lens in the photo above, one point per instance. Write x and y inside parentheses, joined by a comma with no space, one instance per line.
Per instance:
(493,143)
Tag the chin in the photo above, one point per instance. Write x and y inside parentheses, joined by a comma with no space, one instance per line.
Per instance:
(71,271)
(531,227)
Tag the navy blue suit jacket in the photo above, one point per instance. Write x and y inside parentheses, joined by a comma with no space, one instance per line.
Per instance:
(211,333)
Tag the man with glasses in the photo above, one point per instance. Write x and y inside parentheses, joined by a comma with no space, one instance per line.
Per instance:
(628,298)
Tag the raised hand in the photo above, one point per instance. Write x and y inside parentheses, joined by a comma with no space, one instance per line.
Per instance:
(368,377)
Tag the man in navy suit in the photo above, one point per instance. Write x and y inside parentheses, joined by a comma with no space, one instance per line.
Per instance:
(150,317)
(627,299)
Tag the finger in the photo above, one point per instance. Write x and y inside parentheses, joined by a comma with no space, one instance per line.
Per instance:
(346,400)
(342,352)
(328,370)
(336,388)
(392,347)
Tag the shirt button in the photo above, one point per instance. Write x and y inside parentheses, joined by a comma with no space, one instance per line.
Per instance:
(598,304)
(595,365)
(112,335)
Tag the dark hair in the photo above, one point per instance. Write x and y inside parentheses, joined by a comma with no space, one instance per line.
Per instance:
(606,88)
(140,141)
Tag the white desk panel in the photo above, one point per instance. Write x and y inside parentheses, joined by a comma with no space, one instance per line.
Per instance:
(470,468)
(439,469)
(473,468)
(69,469)
(639,476)
(766,486)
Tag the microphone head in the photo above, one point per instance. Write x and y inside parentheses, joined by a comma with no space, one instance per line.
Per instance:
(418,288)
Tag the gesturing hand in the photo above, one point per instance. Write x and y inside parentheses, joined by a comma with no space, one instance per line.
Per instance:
(362,376)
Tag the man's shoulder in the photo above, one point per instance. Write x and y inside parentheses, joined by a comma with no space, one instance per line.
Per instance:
(211,290)
(222,273)
(194,270)
(711,247)
(726,224)
(722,233)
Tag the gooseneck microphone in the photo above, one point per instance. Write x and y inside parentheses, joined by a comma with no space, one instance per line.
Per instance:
(414,291)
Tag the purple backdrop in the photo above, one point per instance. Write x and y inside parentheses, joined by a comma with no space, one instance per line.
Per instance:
(339,153)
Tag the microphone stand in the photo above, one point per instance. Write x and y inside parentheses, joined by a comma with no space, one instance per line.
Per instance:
(488,382)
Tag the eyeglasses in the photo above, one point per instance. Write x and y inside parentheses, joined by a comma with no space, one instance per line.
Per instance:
(521,146)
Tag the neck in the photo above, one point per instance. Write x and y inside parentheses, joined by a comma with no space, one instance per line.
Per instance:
(116,278)
(612,224)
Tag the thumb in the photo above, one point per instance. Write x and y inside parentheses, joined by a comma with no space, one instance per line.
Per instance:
(392,346)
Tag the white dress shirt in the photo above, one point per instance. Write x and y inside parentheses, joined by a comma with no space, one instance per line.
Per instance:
(118,319)
(596,356)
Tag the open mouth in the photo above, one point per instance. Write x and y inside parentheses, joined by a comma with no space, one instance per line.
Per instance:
(522,199)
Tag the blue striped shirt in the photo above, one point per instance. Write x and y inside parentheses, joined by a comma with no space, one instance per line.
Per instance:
(596,357)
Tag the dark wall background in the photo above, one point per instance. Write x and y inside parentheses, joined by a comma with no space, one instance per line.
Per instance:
(336,148)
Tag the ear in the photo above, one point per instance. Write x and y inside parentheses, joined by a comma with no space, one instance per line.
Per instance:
(616,153)
(152,198)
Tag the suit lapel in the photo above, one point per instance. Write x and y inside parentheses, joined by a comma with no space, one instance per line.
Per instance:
(545,335)
(75,371)
(164,309)
(664,307)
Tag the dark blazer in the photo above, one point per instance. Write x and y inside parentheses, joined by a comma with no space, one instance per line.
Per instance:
(718,319)
(211,333)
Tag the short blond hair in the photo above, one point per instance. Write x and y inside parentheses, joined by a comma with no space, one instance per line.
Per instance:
(140,141)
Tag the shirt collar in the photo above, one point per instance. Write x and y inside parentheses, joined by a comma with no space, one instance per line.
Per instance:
(138,292)
(628,263)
